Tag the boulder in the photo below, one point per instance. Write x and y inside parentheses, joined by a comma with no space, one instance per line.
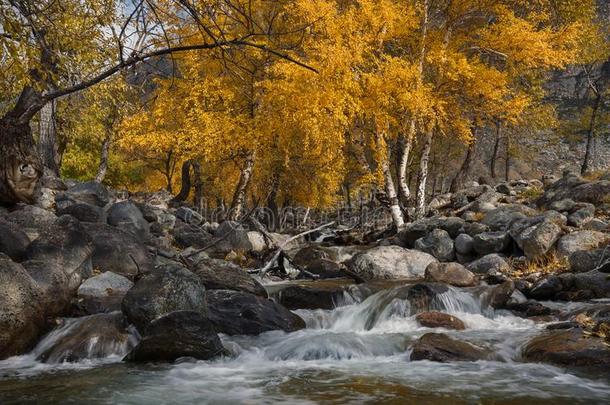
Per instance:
(90,192)
(564,205)
(57,288)
(438,243)
(535,237)
(582,215)
(594,281)
(309,254)
(326,269)
(128,217)
(175,335)
(491,242)
(167,289)
(499,295)
(501,218)
(450,273)
(216,274)
(118,251)
(31,219)
(488,264)
(577,189)
(583,260)
(13,241)
(309,297)
(240,313)
(568,348)
(442,348)
(90,337)
(21,313)
(464,244)
(186,235)
(388,263)
(434,319)
(83,212)
(103,293)
(580,240)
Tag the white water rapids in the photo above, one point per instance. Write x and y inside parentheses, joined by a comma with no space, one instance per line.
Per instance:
(356,353)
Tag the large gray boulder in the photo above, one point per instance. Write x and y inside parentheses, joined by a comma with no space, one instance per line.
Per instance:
(582,215)
(169,288)
(577,189)
(90,192)
(450,273)
(82,211)
(103,293)
(438,243)
(217,274)
(31,219)
(13,241)
(492,263)
(127,216)
(583,260)
(580,240)
(21,314)
(501,218)
(389,263)
(464,244)
(491,242)
(535,236)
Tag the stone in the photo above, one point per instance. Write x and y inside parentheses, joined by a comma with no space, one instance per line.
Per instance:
(538,239)
(309,297)
(167,289)
(564,205)
(577,189)
(442,348)
(127,216)
(118,251)
(438,243)
(175,335)
(89,192)
(580,240)
(90,337)
(547,288)
(186,235)
(83,212)
(489,263)
(217,274)
(434,319)
(491,242)
(389,263)
(31,219)
(582,215)
(499,295)
(464,244)
(21,313)
(309,254)
(13,241)
(587,260)
(501,218)
(103,293)
(326,269)
(568,348)
(240,313)
(450,273)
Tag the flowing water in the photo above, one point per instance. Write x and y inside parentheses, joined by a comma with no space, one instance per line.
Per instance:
(356,353)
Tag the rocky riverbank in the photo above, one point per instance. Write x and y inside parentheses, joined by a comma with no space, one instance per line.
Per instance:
(132,273)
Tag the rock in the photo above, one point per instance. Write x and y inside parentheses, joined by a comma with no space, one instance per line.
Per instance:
(584,260)
(91,337)
(83,212)
(388,263)
(597,282)
(580,240)
(577,189)
(103,293)
(128,217)
(309,254)
(178,334)
(564,205)
(582,215)
(442,348)
(499,295)
(464,244)
(450,273)
(568,348)
(474,228)
(529,309)
(310,297)
(597,224)
(31,219)
(501,218)
(491,242)
(536,239)
(434,319)
(118,251)
(489,263)
(326,269)
(240,313)
(57,288)
(438,243)
(412,232)
(189,216)
(186,235)
(547,288)
(13,241)
(167,289)
(216,274)
(21,315)
(90,192)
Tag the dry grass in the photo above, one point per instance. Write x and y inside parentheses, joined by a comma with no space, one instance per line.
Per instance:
(595,175)
(548,264)
(531,194)
(478,216)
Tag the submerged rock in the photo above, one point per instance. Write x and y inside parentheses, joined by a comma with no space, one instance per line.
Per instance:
(434,319)
(442,348)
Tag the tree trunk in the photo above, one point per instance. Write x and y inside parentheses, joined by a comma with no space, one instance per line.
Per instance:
(420,208)
(185,188)
(402,164)
(239,197)
(390,191)
(103,166)
(198,197)
(588,160)
(507,168)
(47,141)
(496,150)
(458,180)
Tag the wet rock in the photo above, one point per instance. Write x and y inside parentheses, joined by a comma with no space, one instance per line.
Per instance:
(435,319)
(103,293)
(240,313)
(580,240)
(498,296)
(83,212)
(438,243)
(464,244)
(450,273)
(388,263)
(90,192)
(118,251)
(169,288)
(309,297)
(21,315)
(178,334)
(489,263)
(216,274)
(569,348)
(491,242)
(547,288)
(127,216)
(442,348)
(13,241)
(91,337)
